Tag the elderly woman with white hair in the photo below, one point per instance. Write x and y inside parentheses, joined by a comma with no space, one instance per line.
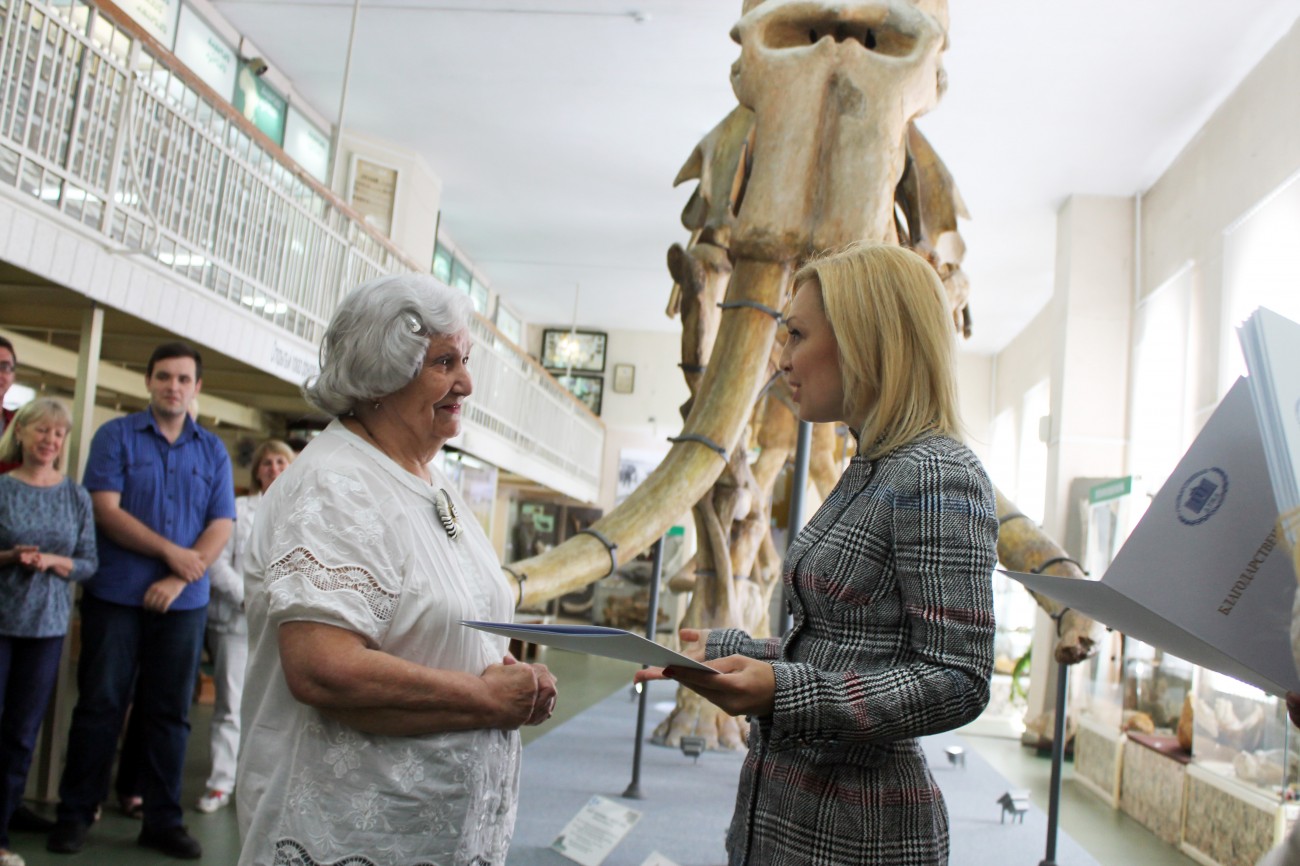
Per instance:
(377,730)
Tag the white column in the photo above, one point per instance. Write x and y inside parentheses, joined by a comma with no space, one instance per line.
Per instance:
(1090,316)
(47,763)
(83,409)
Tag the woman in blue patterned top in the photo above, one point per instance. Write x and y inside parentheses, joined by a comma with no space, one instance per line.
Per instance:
(889,586)
(47,542)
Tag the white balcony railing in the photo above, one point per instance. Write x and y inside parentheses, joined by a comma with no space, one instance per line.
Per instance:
(105,126)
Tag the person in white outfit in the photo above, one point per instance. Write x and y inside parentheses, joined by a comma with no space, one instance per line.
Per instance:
(228,627)
(378,731)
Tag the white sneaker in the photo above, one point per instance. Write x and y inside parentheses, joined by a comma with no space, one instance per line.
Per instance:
(209,802)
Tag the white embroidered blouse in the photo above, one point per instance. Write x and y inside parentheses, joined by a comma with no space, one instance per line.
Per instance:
(347,538)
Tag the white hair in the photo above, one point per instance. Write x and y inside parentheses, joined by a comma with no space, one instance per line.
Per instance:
(378,337)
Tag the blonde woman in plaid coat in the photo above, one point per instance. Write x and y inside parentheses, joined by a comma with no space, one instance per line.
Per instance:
(889,586)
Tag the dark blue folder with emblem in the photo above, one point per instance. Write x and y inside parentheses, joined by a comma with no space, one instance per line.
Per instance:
(1204,575)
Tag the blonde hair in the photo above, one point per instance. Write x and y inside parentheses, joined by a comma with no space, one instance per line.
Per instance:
(40,409)
(891,321)
(270,446)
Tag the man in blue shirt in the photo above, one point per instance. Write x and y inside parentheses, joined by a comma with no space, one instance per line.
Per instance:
(164,505)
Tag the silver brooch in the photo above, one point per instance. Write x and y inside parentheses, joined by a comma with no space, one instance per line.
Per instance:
(447,514)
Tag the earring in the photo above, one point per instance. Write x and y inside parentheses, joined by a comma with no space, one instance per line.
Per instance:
(377,405)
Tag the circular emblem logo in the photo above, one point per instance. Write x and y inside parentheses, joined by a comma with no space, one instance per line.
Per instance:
(1201,495)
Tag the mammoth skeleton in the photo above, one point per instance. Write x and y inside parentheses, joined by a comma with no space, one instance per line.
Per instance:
(821,151)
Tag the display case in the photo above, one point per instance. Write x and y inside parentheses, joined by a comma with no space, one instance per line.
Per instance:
(1243,733)
(1242,785)
(1152,765)
(1097,705)
(1155,686)
(1013,614)
(1097,685)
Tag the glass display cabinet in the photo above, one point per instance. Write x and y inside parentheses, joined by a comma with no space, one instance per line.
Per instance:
(1013,614)
(1155,686)
(1097,706)
(1098,693)
(1153,763)
(1242,783)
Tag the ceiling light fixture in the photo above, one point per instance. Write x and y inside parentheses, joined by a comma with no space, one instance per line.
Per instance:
(568,347)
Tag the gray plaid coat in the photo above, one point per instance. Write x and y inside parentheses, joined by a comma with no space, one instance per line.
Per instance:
(890,587)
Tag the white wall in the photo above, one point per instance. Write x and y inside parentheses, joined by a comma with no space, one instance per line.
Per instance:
(1248,148)
(975,397)
(644,419)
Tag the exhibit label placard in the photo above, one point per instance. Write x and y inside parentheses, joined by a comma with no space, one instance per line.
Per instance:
(594,831)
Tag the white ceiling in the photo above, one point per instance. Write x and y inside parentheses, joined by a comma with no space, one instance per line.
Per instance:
(557,126)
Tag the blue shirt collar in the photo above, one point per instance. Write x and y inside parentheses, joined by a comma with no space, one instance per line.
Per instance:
(146,421)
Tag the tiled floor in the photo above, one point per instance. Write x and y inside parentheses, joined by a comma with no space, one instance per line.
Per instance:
(1108,835)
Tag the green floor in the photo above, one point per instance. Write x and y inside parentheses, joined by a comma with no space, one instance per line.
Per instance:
(1107,834)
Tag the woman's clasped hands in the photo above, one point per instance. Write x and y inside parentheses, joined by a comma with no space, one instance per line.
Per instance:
(30,557)
(740,686)
(527,692)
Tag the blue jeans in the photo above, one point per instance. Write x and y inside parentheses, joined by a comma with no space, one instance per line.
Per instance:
(28,668)
(130,652)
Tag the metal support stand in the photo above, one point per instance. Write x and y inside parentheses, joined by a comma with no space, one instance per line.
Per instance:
(1058,760)
(633,791)
(798,485)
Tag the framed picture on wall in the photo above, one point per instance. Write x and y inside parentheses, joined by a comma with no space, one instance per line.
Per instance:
(374,194)
(624,378)
(574,350)
(588,389)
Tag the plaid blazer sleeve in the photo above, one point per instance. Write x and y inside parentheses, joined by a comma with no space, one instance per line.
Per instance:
(725,642)
(917,658)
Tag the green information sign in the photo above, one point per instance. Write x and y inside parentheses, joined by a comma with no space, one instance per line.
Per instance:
(260,104)
(205,53)
(1109,490)
(309,147)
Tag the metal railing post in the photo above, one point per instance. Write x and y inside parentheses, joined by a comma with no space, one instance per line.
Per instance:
(633,791)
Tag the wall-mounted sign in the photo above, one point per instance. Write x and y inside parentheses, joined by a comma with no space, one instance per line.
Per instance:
(461,278)
(157,17)
(478,294)
(574,350)
(442,263)
(260,104)
(205,53)
(292,363)
(509,323)
(374,190)
(308,146)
